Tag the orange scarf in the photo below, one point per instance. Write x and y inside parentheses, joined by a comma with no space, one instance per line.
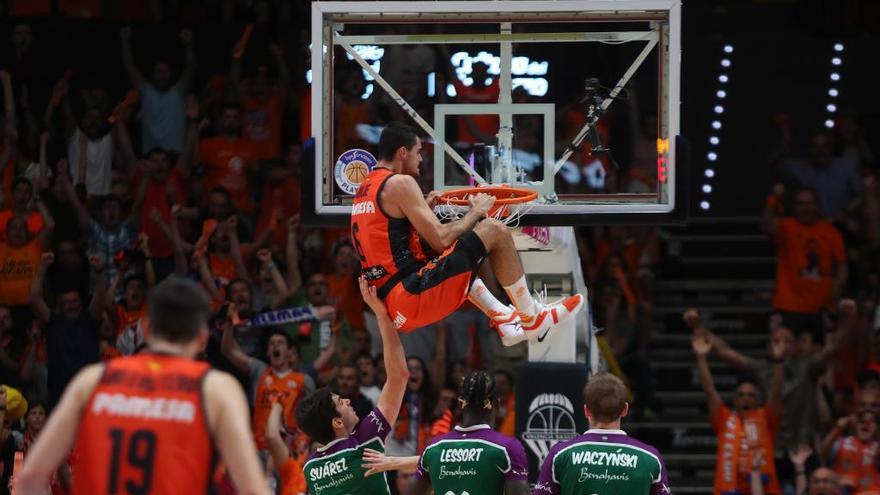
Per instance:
(739,436)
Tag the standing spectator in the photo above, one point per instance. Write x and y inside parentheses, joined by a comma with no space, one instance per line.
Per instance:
(20,257)
(348,386)
(229,160)
(748,428)
(368,378)
(166,186)
(115,231)
(162,99)
(10,367)
(268,380)
(22,195)
(70,269)
(811,269)
(271,290)
(72,330)
(802,367)
(289,467)
(282,196)
(343,283)
(90,143)
(406,68)
(317,293)
(836,180)
(506,417)
(57,201)
(263,103)
(852,449)
(823,481)
(417,415)
(483,89)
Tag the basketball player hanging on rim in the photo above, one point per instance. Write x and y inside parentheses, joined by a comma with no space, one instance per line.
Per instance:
(151,423)
(389,214)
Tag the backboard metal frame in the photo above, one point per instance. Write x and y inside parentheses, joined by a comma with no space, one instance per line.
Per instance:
(328,18)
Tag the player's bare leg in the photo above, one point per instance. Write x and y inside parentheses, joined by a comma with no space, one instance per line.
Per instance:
(535,319)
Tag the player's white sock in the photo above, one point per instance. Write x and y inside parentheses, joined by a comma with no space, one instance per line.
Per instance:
(504,319)
(521,299)
(482,297)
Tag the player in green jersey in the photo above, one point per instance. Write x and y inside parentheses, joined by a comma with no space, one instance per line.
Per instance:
(337,467)
(471,459)
(604,460)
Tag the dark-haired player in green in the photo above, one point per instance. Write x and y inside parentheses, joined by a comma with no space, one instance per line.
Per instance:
(604,460)
(472,459)
(336,468)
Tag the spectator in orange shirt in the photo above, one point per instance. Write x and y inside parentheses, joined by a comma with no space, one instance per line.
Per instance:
(263,103)
(811,269)
(343,283)
(22,194)
(353,110)
(293,481)
(282,197)
(20,258)
(229,160)
(852,449)
(748,428)
(132,306)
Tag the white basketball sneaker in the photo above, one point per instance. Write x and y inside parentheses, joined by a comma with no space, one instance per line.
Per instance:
(538,326)
(507,324)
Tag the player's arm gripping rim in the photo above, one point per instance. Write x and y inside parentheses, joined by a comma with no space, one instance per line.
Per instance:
(402,193)
(395,357)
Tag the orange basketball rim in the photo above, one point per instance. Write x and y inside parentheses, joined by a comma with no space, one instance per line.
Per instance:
(506,197)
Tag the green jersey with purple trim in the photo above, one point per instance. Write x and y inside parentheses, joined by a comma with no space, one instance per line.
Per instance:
(475,460)
(337,468)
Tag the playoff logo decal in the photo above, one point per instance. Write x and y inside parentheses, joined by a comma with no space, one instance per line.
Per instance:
(352,168)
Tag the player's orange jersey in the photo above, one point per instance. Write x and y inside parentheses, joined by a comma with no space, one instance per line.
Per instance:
(386,246)
(144,429)
(287,389)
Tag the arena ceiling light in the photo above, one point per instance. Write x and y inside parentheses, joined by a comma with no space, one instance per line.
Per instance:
(716,124)
(835,76)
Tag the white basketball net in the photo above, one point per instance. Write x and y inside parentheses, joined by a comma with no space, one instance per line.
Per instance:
(509,214)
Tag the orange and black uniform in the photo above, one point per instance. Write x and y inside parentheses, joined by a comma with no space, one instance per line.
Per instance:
(416,291)
(144,429)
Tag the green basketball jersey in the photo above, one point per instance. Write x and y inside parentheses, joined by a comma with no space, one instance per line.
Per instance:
(471,461)
(336,468)
(602,462)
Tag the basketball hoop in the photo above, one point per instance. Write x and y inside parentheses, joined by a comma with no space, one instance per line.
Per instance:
(510,202)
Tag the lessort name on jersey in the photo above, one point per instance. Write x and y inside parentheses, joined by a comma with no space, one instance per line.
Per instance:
(614,459)
(461,455)
(365,207)
(183,411)
(328,469)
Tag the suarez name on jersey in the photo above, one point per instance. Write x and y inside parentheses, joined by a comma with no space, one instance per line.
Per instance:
(336,468)
(603,462)
(473,460)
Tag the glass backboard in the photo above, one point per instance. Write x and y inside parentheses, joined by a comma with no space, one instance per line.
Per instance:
(577,100)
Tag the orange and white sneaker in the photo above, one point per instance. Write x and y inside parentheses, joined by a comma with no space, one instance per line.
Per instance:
(507,324)
(538,326)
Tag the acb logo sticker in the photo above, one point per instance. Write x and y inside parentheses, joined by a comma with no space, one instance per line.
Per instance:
(352,168)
